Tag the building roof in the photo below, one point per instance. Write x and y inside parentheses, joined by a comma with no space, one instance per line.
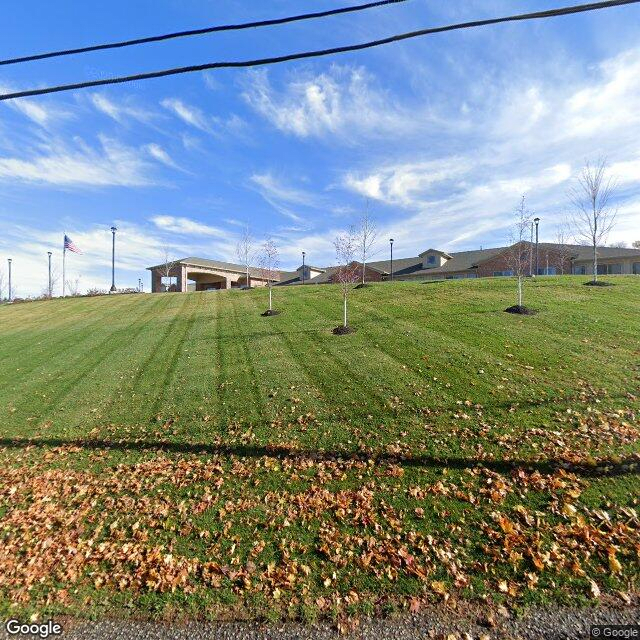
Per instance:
(457,262)
(255,272)
(440,253)
(308,266)
(585,252)
(462,261)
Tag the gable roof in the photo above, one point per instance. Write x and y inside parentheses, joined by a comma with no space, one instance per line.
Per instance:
(457,262)
(254,272)
(440,253)
(308,266)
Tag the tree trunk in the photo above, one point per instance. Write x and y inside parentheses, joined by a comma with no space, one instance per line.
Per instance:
(520,290)
(595,262)
(344,299)
(364,266)
(270,309)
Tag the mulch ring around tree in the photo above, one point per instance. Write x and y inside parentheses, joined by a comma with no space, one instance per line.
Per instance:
(598,283)
(521,310)
(342,330)
(363,285)
(270,312)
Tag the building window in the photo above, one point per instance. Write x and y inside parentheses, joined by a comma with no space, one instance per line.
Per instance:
(608,269)
(547,271)
(580,270)
(431,260)
(636,268)
(498,274)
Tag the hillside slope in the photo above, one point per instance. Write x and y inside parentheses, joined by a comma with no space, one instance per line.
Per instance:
(424,442)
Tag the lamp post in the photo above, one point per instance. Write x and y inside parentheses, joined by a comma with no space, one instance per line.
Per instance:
(10,292)
(391,265)
(113,259)
(537,221)
(303,255)
(531,252)
(50,283)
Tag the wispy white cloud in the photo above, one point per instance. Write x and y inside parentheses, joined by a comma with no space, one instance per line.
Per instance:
(42,113)
(218,126)
(343,100)
(56,163)
(187,226)
(188,114)
(159,154)
(120,111)
(534,139)
(283,197)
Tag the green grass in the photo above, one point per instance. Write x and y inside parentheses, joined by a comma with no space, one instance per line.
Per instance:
(180,455)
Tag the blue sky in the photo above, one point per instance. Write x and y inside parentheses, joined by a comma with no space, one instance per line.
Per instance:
(442,135)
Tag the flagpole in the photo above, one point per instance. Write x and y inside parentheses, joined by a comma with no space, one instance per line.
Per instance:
(64,261)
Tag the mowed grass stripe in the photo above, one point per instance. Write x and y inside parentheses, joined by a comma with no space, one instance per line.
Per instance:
(81,366)
(290,391)
(242,319)
(167,386)
(236,378)
(494,331)
(79,320)
(144,357)
(330,361)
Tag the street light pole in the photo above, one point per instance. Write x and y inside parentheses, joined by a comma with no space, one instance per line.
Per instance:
(113,260)
(537,221)
(531,252)
(10,291)
(391,266)
(50,283)
(303,255)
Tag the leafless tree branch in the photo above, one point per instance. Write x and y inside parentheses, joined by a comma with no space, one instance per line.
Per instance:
(594,214)
(269,263)
(366,235)
(347,273)
(245,251)
(519,255)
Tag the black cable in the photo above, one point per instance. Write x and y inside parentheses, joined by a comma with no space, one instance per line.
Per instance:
(551,13)
(199,32)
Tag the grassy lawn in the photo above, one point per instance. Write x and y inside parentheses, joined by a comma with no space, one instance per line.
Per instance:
(180,455)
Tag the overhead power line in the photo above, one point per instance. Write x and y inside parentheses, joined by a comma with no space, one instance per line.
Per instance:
(551,13)
(200,32)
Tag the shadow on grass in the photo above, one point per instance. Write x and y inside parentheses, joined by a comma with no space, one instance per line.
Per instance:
(626,466)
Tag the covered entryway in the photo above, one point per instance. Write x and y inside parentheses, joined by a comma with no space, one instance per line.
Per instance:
(197,274)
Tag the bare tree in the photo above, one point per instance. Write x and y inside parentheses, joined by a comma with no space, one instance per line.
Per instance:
(73,287)
(269,262)
(167,265)
(244,250)
(636,244)
(347,272)
(620,245)
(366,235)
(55,278)
(565,252)
(594,215)
(518,256)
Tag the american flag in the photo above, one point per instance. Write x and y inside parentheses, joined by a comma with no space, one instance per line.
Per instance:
(68,244)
